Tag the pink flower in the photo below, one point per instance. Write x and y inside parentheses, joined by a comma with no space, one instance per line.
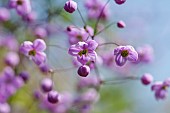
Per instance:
(84,51)
(124,53)
(34,50)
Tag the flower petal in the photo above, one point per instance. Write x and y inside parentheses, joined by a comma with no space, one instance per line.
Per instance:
(26,47)
(39,45)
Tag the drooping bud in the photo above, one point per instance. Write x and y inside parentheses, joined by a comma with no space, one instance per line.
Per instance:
(70,6)
(53,97)
(119,2)
(83,71)
(121,24)
(46,85)
(146,79)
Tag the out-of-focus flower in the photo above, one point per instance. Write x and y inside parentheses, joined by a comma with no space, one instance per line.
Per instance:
(124,53)
(23,7)
(40,32)
(9,84)
(30,17)
(161,89)
(5,108)
(12,59)
(95,9)
(34,50)
(84,51)
(79,34)
(4,14)
(70,6)
(145,54)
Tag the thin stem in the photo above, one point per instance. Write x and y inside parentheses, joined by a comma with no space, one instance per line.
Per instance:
(63,69)
(81,17)
(105,28)
(108,43)
(95,28)
(120,80)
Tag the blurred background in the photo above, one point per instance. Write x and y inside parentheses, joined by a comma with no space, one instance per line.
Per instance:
(147,23)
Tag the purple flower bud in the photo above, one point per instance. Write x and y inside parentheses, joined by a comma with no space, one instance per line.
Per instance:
(12,59)
(31,17)
(121,24)
(4,14)
(24,75)
(53,97)
(83,71)
(119,2)
(70,6)
(146,79)
(46,85)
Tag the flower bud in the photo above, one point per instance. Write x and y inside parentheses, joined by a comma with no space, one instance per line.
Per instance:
(121,24)
(53,97)
(83,71)
(146,79)
(119,2)
(24,75)
(46,85)
(70,6)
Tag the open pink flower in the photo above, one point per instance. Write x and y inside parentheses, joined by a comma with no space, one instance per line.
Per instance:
(84,51)
(34,50)
(124,53)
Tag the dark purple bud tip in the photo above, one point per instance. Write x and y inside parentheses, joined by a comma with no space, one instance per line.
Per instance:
(119,2)
(146,79)
(83,71)
(70,6)
(121,24)
(46,85)
(53,97)
(24,75)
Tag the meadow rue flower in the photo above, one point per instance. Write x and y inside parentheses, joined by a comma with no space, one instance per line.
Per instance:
(124,53)
(84,51)
(46,85)
(119,2)
(53,97)
(4,14)
(70,6)
(121,24)
(83,71)
(146,79)
(34,50)
(23,7)
(161,89)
